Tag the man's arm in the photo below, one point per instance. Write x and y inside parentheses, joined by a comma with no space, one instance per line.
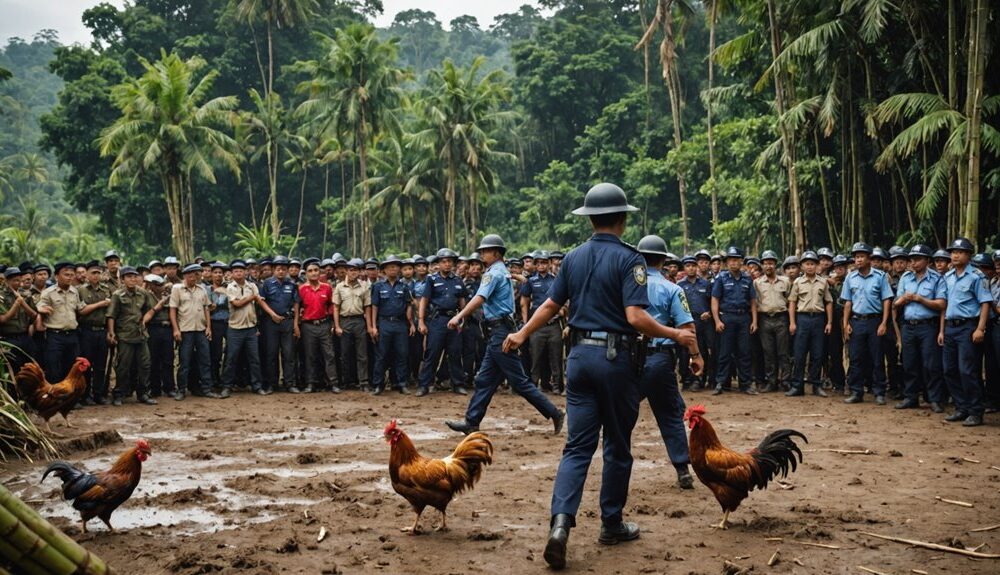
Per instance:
(470,308)
(644,323)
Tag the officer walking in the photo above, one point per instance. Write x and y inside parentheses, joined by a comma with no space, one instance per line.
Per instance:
(867,297)
(810,320)
(496,296)
(392,325)
(734,307)
(546,343)
(606,281)
(444,295)
(698,293)
(963,332)
(772,309)
(669,307)
(920,299)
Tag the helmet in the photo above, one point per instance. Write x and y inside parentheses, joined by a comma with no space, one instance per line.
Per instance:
(982,260)
(941,255)
(702,254)
(879,254)
(734,252)
(861,247)
(604,199)
(962,244)
(219,265)
(790,261)
(752,260)
(840,260)
(419,259)
(111,255)
(689,259)
(492,241)
(921,250)
(672,259)
(825,253)
(191,268)
(446,253)
(653,245)
(390,259)
(556,255)
(474,257)
(542,255)
(897,252)
(809,255)
(431,259)
(280,261)
(996,255)
(769,255)
(355,263)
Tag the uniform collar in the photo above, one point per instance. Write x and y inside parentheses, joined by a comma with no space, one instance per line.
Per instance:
(653,272)
(605,237)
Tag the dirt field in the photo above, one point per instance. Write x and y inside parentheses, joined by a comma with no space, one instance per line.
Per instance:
(229,484)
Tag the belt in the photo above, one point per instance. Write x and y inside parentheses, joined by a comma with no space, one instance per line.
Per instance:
(446,313)
(865,315)
(775,313)
(161,324)
(355,316)
(738,312)
(317,321)
(501,321)
(62,331)
(661,348)
(392,317)
(920,321)
(960,321)
(93,327)
(810,313)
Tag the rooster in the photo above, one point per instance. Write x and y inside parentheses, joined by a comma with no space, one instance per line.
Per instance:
(99,494)
(731,475)
(434,482)
(48,399)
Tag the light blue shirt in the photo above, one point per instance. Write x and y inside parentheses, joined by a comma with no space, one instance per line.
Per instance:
(866,293)
(965,293)
(931,286)
(667,303)
(498,291)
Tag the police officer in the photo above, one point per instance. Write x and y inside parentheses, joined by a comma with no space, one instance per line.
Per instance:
(416,351)
(835,341)
(941,261)
(496,296)
(93,337)
(161,339)
(920,299)
(282,329)
(16,317)
(59,305)
(810,320)
(698,293)
(668,305)
(392,325)
(772,309)
(546,343)
(473,344)
(130,310)
(734,308)
(867,297)
(963,333)
(606,281)
(444,295)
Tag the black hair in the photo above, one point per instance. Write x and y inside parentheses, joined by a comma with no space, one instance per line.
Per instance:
(607,220)
(654,260)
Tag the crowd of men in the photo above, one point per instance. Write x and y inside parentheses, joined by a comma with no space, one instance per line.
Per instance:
(913,322)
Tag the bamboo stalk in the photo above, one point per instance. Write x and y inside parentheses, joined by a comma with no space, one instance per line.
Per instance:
(934,546)
(19,558)
(29,544)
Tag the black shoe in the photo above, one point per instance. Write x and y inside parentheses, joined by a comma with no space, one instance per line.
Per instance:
(116,402)
(855,398)
(261,392)
(461,426)
(308,389)
(364,388)
(624,531)
(957,416)
(335,390)
(908,404)
(717,391)
(377,391)
(555,548)
(225,393)
(404,391)
(422,392)
(973,421)
(557,421)
(818,391)
(684,479)
(179,395)
(211,395)
(936,407)
(293,389)
(880,400)
(795,392)
(748,391)
(769,388)
(460,390)
(103,401)
(145,399)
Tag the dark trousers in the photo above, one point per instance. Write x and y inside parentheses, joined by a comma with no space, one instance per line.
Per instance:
(21,352)
(734,349)
(392,350)
(242,343)
(439,339)
(705,330)
(774,342)
(61,351)
(991,345)
(809,341)
(161,359)
(132,369)
(217,346)
(195,357)
(835,351)
(962,361)
(922,361)
(279,338)
(601,396)
(415,355)
(320,360)
(354,346)
(864,351)
(473,349)
(546,351)
(894,370)
(94,347)
(496,367)
(659,386)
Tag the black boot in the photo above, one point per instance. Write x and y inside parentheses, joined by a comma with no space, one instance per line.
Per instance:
(613,535)
(818,391)
(555,549)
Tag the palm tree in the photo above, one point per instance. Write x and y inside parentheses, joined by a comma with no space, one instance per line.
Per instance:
(30,168)
(274,14)
(266,133)
(404,174)
(169,128)
(714,10)
(353,92)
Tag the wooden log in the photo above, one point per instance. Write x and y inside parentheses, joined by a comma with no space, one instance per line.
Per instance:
(933,546)
(954,502)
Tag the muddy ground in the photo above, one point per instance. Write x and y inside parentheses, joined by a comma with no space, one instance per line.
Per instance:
(244,486)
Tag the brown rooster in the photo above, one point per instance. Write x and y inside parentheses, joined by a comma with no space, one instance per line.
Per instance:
(731,475)
(99,494)
(434,482)
(48,399)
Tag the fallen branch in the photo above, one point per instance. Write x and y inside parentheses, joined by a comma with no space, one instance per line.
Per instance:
(987,528)
(774,539)
(846,451)
(918,571)
(874,572)
(775,559)
(954,502)
(933,546)
(823,545)
(970,460)
(811,415)
(994,467)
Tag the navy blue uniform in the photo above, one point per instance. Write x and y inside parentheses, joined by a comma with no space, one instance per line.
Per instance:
(281,297)
(497,292)
(735,294)
(699,299)
(473,347)
(390,300)
(546,342)
(443,295)
(963,359)
(864,349)
(601,278)
(918,330)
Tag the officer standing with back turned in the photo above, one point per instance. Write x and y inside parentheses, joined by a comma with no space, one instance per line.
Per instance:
(606,281)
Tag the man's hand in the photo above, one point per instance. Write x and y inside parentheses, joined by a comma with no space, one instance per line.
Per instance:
(978,335)
(828,329)
(753,327)
(208,333)
(848,330)
(112,340)
(940,339)
(705,316)
(685,338)
(277,318)
(513,341)
(412,330)
(791,328)
(881,330)
(373,333)
(177,335)
(339,330)
(455,323)
(296,333)
(720,327)
(697,365)
(423,328)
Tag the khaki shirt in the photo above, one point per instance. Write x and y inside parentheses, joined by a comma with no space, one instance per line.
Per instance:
(127,309)
(91,295)
(810,295)
(19,322)
(246,316)
(772,297)
(352,299)
(64,304)
(191,305)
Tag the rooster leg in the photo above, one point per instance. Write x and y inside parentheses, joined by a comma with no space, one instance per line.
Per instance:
(724,524)
(444,522)
(108,523)
(68,424)
(48,428)
(84,525)
(414,530)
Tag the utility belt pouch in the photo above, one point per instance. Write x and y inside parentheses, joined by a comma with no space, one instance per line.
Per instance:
(612,350)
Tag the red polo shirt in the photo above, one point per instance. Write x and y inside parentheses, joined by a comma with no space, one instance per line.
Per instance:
(316,302)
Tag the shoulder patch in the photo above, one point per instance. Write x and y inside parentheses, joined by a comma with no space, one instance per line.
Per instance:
(639,273)
(487,278)
(684,302)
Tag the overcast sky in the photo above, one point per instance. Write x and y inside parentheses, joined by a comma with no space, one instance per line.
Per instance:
(25,17)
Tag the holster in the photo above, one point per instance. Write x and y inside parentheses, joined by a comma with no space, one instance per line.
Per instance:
(639,352)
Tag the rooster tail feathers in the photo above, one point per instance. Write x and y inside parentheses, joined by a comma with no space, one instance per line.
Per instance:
(75,482)
(776,456)
(29,379)
(465,465)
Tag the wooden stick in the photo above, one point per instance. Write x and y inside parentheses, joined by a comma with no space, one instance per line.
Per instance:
(874,572)
(934,546)
(954,502)
(994,467)
(970,460)
(774,539)
(798,562)
(823,545)
(811,415)
(988,528)
(846,451)
(774,559)
(918,571)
